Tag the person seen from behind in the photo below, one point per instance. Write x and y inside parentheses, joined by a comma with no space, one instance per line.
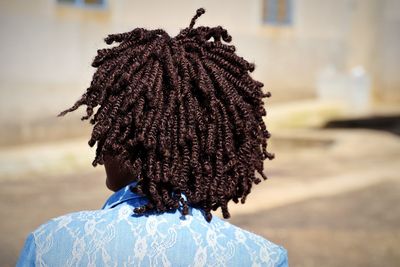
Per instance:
(178,124)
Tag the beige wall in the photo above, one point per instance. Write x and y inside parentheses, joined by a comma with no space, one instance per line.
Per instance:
(46,49)
(387,46)
(44,43)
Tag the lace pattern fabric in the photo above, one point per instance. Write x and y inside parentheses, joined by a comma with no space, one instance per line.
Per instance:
(115,236)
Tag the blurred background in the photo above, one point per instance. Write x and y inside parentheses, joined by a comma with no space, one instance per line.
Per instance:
(332,66)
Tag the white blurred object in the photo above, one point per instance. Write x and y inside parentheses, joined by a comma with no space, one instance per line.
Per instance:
(351,89)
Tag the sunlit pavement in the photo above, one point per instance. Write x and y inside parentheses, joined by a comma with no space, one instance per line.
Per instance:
(357,228)
(331,203)
(331,198)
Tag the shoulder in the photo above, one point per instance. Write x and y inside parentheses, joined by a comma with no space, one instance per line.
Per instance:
(71,218)
(47,238)
(262,251)
(268,251)
(71,225)
(64,240)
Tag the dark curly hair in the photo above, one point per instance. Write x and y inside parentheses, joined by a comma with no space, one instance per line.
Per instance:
(182,113)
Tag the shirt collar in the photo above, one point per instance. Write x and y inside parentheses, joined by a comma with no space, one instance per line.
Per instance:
(125,195)
(122,195)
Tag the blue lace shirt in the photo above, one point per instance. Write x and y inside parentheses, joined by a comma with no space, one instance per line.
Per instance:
(115,236)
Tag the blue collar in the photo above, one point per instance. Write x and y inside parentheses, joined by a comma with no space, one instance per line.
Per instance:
(125,195)
(122,195)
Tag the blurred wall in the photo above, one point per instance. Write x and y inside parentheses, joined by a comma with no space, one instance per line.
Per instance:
(47,48)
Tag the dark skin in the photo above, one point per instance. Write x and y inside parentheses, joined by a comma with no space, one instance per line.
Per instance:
(117,177)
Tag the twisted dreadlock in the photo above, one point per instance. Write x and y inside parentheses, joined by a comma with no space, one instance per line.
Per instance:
(182,113)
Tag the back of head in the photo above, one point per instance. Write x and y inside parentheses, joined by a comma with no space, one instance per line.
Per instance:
(181,113)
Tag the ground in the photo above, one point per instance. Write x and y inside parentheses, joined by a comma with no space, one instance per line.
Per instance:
(330,200)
